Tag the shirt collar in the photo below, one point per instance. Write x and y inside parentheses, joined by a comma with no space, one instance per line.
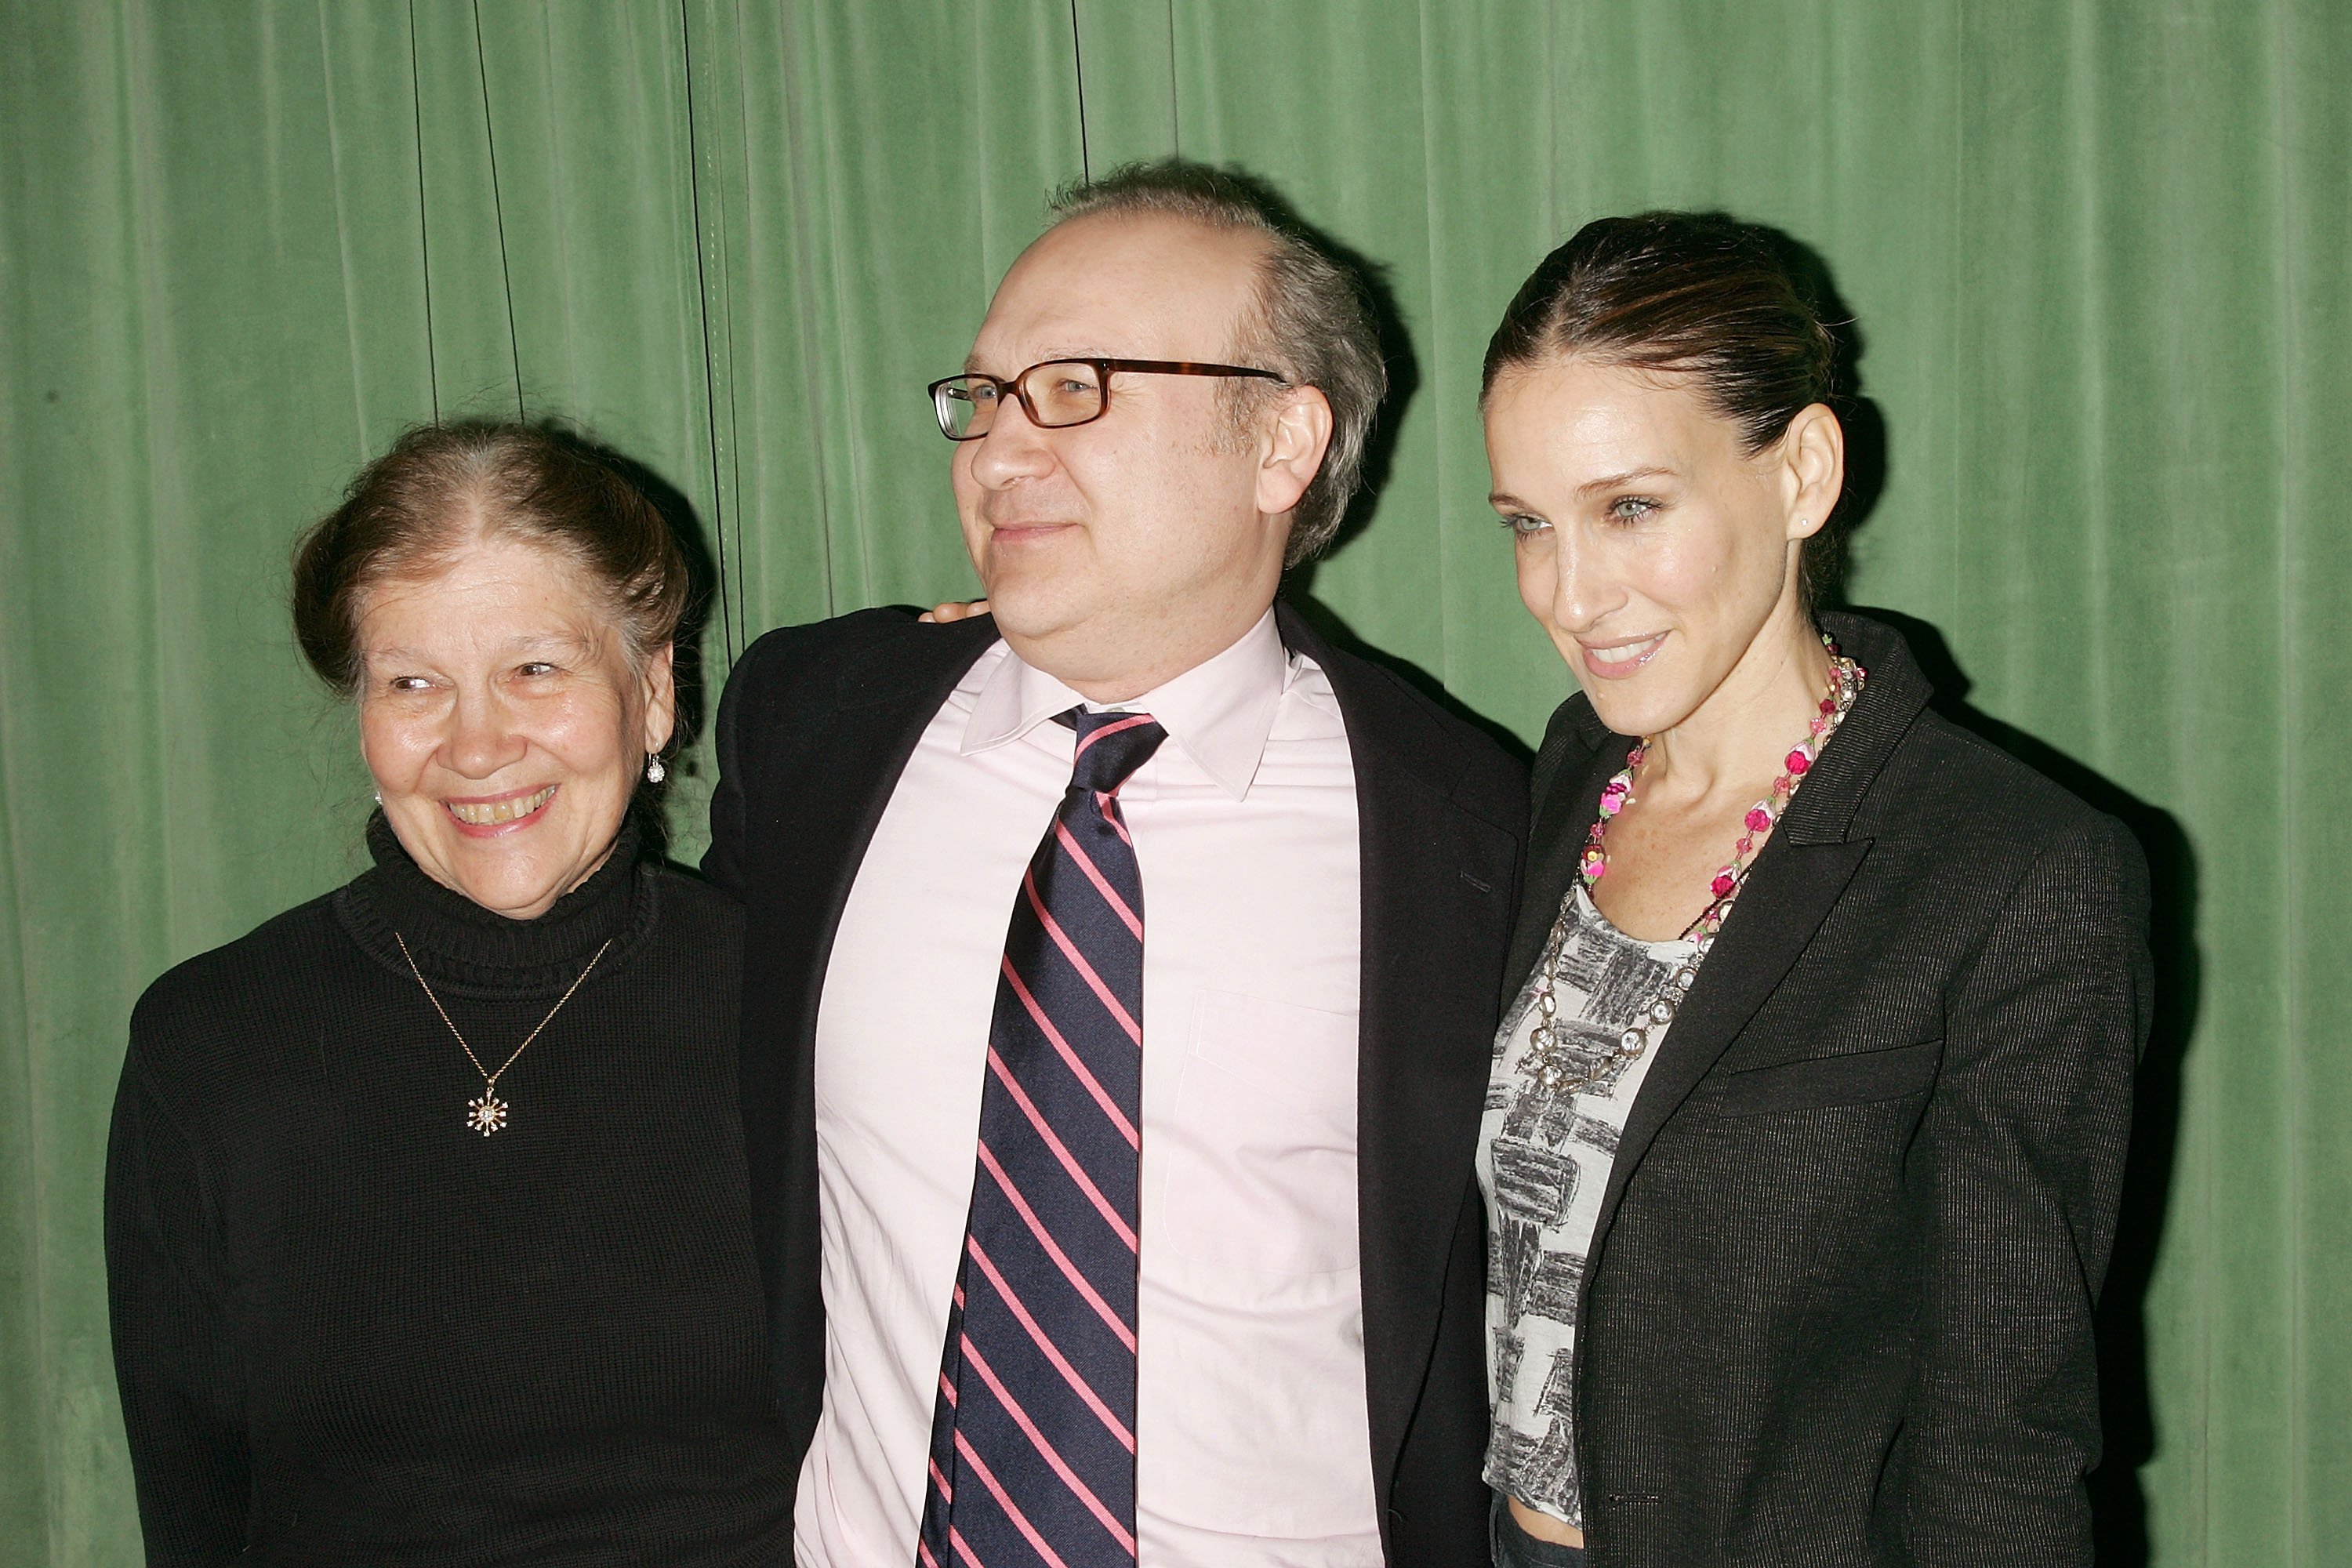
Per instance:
(1220,711)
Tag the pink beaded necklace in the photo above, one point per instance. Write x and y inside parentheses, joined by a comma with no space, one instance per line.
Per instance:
(1560,1059)
(1845,683)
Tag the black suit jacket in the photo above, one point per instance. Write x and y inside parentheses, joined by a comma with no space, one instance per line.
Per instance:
(1838,1308)
(817,724)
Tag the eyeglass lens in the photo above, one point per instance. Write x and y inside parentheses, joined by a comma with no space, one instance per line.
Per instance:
(1061,392)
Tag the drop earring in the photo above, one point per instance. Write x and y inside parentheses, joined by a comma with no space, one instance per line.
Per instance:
(654,772)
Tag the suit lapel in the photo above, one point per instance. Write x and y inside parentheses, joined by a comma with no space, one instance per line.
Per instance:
(1421,1074)
(843,772)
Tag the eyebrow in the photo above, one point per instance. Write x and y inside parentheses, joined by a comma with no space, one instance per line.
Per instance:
(565,641)
(1611,481)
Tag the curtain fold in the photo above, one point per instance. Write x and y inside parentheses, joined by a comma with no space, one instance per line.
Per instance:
(2098,257)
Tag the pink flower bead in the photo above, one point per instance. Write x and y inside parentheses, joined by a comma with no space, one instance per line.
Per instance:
(1758,819)
(1799,763)
(1723,884)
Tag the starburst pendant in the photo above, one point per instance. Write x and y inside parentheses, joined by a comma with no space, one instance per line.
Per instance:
(485,1115)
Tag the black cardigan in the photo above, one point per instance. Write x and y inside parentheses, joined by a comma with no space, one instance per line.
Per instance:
(349,1329)
(1838,1308)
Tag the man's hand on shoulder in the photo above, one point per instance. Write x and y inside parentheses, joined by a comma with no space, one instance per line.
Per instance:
(954,610)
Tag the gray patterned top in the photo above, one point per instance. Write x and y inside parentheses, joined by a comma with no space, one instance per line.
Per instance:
(1543,1161)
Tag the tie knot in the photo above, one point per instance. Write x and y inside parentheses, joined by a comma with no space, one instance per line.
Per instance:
(1111,746)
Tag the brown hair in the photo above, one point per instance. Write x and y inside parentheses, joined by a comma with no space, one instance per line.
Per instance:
(1312,319)
(444,486)
(1696,294)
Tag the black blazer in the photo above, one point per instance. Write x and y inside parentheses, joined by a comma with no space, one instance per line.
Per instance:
(815,727)
(1838,1308)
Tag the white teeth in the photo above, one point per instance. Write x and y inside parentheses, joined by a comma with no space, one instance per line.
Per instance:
(1625,655)
(495,812)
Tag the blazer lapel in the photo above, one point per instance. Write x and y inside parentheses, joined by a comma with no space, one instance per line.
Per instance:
(1796,881)
(1798,884)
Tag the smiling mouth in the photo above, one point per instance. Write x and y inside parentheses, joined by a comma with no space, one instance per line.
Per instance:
(1621,659)
(498,812)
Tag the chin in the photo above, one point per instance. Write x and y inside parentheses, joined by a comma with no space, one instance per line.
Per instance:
(1636,713)
(502,877)
(508,893)
(1030,608)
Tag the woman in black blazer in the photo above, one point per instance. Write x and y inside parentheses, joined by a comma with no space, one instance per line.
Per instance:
(1805,1136)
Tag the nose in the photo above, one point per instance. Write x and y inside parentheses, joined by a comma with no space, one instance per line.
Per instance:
(1582,588)
(1014,450)
(482,736)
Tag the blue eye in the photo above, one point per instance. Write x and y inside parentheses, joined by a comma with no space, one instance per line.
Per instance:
(1522,525)
(1631,509)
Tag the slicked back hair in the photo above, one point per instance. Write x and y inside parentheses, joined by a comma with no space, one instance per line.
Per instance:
(1311,321)
(1698,294)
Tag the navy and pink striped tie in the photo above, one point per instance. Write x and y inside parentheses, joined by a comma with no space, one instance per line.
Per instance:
(1033,1438)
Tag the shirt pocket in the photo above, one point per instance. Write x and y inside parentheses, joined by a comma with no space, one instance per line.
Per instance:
(1262,1157)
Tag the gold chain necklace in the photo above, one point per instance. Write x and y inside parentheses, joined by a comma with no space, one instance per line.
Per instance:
(488,1114)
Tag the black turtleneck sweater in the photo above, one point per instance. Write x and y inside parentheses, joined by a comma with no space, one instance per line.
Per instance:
(350,1328)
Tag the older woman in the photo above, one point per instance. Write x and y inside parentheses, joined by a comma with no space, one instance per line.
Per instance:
(426,1231)
(1803,1139)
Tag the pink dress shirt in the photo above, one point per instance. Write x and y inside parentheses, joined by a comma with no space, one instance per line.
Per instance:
(1253,1449)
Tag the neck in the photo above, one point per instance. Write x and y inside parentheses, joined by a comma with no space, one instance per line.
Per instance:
(1746,726)
(1121,667)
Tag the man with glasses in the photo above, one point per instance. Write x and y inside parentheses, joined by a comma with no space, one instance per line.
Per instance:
(1122,966)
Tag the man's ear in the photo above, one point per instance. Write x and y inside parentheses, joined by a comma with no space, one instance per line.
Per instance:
(1295,441)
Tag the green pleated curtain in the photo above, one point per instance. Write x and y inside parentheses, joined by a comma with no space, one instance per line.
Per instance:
(2100,257)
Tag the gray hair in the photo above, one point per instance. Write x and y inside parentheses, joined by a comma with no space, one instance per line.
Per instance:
(1311,322)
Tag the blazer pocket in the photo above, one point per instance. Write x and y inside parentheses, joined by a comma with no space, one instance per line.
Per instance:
(1824,1083)
(1262,1157)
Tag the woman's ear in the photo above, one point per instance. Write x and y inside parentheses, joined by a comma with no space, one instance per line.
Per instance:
(1812,457)
(1295,448)
(660,683)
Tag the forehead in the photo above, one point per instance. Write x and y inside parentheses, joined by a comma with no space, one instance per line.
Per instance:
(1577,414)
(495,585)
(1132,285)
